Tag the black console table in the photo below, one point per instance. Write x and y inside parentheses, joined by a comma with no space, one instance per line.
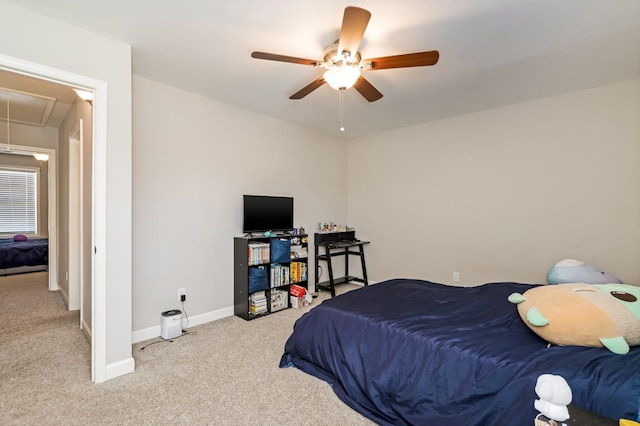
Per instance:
(338,248)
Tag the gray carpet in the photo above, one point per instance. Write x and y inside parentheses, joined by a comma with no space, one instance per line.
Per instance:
(221,373)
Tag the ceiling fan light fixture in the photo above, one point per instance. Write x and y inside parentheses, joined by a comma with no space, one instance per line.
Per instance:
(343,77)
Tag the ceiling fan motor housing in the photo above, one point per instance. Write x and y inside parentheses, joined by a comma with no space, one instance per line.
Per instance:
(332,58)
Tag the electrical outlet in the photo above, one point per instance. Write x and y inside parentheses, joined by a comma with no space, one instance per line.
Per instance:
(182,292)
(456,277)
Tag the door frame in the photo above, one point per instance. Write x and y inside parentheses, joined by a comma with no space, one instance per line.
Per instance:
(75,255)
(99,159)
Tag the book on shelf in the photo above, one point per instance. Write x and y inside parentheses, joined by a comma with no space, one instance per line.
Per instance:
(254,309)
(258,309)
(279,275)
(258,253)
(298,271)
(258,295)
(258,302)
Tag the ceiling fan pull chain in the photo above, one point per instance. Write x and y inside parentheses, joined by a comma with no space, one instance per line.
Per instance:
(341,113)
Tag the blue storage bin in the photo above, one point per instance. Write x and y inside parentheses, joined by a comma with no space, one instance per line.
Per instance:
(258,279)
(280,250)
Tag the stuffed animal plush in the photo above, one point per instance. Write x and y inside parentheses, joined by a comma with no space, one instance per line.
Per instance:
(555,394)
(575,271)
(600,315)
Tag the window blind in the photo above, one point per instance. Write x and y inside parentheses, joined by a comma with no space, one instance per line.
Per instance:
(18,199)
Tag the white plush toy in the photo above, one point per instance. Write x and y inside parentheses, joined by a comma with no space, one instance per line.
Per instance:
(555,394)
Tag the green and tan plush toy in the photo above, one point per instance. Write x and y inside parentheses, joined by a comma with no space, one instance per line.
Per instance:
(600,315)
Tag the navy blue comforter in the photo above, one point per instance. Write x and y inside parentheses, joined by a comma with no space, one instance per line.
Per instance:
(33,252)
(415,352)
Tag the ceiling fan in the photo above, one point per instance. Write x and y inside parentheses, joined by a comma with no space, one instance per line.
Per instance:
(343,62)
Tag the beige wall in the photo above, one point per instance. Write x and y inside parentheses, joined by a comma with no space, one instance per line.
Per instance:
(193,159)
(503,194)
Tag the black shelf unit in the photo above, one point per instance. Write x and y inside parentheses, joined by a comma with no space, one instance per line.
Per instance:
(297,261)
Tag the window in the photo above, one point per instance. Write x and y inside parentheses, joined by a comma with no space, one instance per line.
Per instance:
(18,201)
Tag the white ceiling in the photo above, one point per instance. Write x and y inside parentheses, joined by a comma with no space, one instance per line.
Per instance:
(492,52)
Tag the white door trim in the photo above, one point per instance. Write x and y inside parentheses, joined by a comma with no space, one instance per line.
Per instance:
(75,232)
(81,248)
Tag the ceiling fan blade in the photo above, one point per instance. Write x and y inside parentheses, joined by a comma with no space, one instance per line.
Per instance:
(419,59)
(367,90)
(354,22)
(308,89)
(283,58)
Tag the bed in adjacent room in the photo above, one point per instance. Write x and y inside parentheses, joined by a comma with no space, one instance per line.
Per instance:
(28,255)
(415,352)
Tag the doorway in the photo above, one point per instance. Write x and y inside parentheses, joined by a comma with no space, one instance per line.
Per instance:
(97,295)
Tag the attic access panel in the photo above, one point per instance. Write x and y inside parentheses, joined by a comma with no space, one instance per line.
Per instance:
(25,108)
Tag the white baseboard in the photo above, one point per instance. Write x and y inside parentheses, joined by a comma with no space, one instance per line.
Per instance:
(65,296)
(86,330)
(152,332)
(120,368)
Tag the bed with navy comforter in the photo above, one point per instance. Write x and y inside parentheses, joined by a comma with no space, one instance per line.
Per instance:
(22,256)
(420,353)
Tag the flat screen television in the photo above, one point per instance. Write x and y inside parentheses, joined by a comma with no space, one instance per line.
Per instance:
(266,213)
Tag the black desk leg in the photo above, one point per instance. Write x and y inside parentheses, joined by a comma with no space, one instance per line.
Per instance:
(364,267)
(346,262)
(316,279)
(330,268)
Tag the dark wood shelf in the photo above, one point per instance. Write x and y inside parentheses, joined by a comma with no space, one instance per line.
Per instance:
(241,295)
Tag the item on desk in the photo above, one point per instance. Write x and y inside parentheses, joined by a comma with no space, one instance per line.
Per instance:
(325,226)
